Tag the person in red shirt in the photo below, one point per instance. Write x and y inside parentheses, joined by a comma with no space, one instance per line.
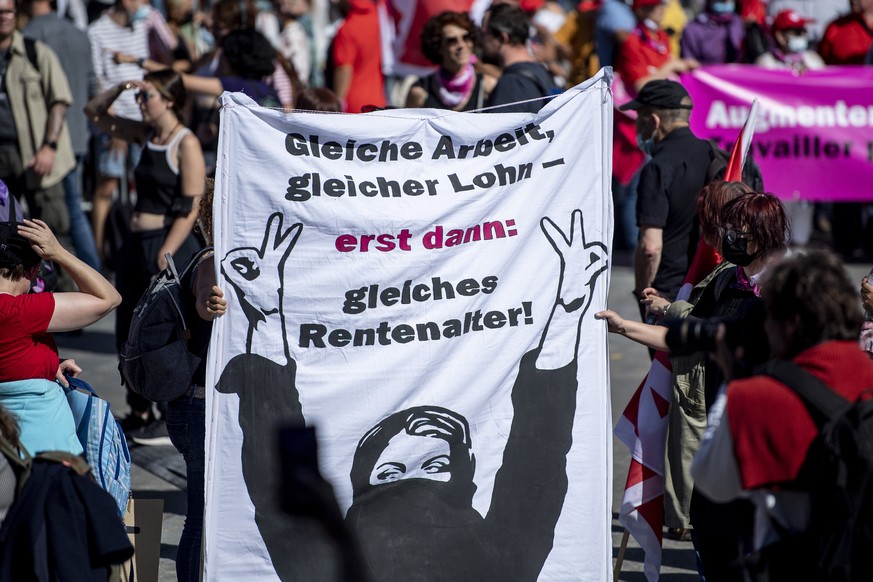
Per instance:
(28,356)
(759,430)
(357,58)
(645,54)
(847,39)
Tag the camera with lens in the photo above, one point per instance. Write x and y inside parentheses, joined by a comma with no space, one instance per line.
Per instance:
(743,330)
(692,334)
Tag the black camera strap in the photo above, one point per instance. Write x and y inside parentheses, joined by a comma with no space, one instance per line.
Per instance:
(820,399)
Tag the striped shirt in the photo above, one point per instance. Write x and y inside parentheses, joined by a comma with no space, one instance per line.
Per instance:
(107,38)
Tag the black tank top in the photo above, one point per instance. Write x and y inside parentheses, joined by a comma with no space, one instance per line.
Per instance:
(432,86)
(158,182)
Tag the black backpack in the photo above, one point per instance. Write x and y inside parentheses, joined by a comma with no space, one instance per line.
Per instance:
(838,474)
(156,361)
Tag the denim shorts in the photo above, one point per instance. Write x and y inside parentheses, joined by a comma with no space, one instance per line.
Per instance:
(111,164)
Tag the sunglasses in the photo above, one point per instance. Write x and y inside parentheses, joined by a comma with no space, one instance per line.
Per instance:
(451,41)
(732,235)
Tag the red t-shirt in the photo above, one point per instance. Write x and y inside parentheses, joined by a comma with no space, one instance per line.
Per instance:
(358,44)
(846,41)
(27,350)
(640,55)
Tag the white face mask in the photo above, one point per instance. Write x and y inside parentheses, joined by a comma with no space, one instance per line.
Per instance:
(722,7)
(797,44)
(651,24)
(141,13)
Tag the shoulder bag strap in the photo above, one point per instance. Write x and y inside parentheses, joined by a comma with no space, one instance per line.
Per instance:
(822,402)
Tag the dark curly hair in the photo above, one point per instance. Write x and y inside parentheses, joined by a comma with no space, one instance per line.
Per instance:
(432,33)
(249,53)
(813,290)
(204,213)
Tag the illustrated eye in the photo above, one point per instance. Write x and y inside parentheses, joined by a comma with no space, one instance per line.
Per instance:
(593,257)
(246,267)
(390,472)
(440,464)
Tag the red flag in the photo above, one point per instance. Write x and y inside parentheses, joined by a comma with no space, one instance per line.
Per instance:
(642,426)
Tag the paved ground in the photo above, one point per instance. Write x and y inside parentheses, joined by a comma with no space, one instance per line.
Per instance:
(159,471)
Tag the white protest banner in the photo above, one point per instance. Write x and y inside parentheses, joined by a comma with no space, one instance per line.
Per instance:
(420,286)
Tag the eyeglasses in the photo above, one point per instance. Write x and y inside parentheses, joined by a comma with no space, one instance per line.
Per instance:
(452,41)
(732,235)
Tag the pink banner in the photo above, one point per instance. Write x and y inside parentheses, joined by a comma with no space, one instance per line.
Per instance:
(814,135)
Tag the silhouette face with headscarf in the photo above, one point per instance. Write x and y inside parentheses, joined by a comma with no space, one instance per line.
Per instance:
(412,507)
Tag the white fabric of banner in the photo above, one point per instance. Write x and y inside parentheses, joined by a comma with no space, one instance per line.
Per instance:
(419,286)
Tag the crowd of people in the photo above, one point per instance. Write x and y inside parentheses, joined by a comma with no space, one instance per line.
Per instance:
(117,104)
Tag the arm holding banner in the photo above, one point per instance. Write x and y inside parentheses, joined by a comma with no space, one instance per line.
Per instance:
(651,336)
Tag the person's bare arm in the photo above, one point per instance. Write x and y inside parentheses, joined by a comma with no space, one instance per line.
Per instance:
(342,81)
(210,301)
(416,97)
(671,67)
(647,258)
(192,169)
(651,336)
(205,85)
(44,158)
(96,296)
(97,110)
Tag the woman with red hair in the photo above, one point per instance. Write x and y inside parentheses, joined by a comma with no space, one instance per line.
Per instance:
(752,234)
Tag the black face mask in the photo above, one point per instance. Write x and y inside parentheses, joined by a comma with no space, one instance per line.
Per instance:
(420,530)
(733,248)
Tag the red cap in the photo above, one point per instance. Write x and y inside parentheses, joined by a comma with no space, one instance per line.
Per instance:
(789,19)
(646,3)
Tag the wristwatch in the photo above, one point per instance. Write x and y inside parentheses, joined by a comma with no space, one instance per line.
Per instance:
(52,144)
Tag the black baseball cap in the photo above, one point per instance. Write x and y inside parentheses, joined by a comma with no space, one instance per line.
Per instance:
(660,94)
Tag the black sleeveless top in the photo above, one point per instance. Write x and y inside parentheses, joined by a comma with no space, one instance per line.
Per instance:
(158,181)
(431,85)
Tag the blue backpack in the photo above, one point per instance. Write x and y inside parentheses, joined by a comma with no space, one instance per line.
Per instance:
(103,440)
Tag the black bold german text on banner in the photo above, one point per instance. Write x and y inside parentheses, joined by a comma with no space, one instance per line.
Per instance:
(420,287)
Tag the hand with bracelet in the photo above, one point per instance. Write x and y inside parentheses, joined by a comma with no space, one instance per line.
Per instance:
(655,304)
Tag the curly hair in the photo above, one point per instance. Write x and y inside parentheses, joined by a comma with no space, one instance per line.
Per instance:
(432,33)
(763,215)
(813,290)
(711,199)
(249,53)
(204,213)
